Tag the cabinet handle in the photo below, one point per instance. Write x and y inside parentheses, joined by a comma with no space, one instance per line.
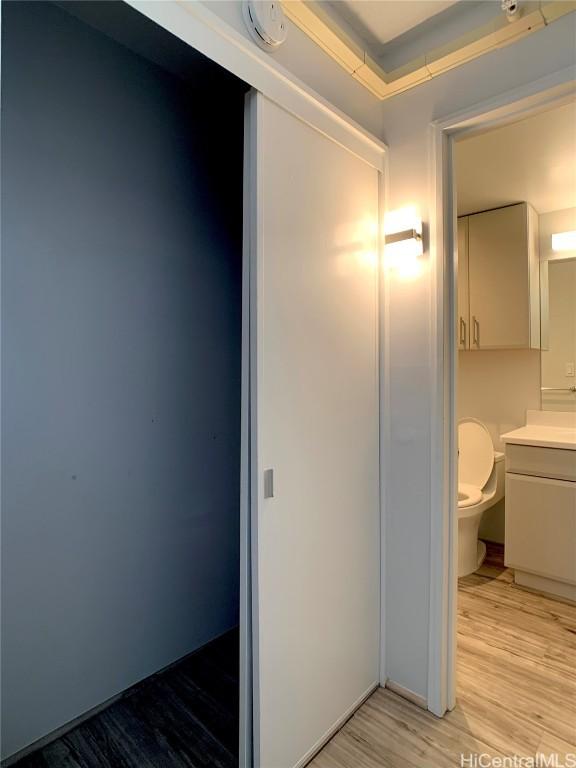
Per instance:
(476,332)
(462,332)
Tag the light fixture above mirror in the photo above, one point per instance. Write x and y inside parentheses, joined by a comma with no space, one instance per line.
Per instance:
(564,241)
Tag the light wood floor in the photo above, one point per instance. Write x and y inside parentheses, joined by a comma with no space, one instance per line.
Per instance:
(516,687)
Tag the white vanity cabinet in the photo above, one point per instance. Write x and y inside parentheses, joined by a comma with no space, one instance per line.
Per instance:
(540,542)
(499,279)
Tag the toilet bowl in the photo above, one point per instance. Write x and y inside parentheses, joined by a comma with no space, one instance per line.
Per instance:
(480,486)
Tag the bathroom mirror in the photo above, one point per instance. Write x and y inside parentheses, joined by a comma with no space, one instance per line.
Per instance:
(558,318)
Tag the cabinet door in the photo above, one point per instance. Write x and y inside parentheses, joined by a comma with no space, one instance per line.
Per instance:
(314,410)
(541,526)
(463,330)
(499,278)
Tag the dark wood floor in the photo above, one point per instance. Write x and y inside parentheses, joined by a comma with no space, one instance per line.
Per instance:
(184,716)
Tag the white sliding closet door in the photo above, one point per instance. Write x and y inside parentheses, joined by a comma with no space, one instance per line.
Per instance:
(314,412)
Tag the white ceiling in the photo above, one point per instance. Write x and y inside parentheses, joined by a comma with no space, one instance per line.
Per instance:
(532,160)
(379,21)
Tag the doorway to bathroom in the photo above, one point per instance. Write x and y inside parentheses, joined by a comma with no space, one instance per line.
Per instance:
(515,188)
(505,184)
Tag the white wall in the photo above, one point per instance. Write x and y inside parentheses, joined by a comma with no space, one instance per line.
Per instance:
(533,159)
(497,387)
(406,120)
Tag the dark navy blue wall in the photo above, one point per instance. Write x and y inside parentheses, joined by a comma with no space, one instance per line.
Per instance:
(121,291)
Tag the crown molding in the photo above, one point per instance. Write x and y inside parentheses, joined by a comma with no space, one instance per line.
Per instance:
(309,16)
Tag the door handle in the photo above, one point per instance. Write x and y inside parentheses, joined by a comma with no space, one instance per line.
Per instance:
(476,332)
(462,332)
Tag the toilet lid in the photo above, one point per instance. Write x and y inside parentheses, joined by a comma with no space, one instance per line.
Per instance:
(475,453)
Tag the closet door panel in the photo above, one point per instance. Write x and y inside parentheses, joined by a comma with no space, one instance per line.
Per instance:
(314,407)
(498,276)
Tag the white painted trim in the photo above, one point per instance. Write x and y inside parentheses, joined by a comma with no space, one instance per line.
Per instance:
(512,105)
(440,534)
(385,412)
(254,255)
(407,694)
(309,16)
(202,29)
(246,669)
(58,733)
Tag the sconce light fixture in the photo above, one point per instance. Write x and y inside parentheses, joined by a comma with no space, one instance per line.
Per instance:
(408,242)
(403,242)
(564,241)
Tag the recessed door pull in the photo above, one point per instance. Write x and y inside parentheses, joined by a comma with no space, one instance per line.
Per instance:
(268,483)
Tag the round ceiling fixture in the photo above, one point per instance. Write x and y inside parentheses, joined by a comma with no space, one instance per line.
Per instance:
(511,8)
(266,22)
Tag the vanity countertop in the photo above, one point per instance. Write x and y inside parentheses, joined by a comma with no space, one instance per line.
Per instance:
(544,435)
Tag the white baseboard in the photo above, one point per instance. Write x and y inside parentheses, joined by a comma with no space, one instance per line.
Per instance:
(550,587)
(43,741)
(62,730)
(336,727)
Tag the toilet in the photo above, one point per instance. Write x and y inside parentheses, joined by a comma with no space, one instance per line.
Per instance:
(480,486)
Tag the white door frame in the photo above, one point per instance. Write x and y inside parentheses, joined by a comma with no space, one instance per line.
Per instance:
(508,107)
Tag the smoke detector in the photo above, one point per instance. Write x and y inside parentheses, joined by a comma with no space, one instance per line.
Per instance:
(266,22)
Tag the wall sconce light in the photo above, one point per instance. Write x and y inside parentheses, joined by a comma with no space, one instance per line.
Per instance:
(403,242)
(408,242)
(564,241)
